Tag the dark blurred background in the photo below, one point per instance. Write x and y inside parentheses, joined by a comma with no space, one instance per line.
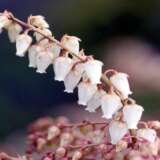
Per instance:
(125,34)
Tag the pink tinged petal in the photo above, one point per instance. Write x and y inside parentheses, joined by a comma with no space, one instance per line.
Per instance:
(14,30)
(73,77)
(71,43)
(62,66)
(23,42)
(132,114)
(117,131)
(120,82)
(85,91)
(93,69)
(110,104)
(95,102)
(43,60)
(148,134)
(32,55)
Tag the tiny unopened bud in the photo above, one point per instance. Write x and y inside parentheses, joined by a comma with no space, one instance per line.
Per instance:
(103,147)
(23,42)
(121,145)
(77,155)
(60,152)
(53,132)
(40,143)
(154,124)
(147,133)
(66,139)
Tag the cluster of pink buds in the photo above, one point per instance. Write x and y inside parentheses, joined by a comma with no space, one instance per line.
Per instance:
(119,135)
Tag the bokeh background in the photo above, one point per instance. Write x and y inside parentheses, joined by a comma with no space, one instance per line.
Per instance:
(124,34)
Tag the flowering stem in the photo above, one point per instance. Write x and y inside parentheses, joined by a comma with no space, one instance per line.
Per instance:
(42,33)
(85,123)
(104,78)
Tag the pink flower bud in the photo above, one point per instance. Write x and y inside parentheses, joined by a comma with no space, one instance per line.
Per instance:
(93,69)
(62,66)
(85,92)
(117,131)
(110,103)
(60,152)
(53,132)
(132,114)
(121,145)
(66,139)
(147,133)
(40,143)
(120,82)
(77,155)
(154,124)
(23,42)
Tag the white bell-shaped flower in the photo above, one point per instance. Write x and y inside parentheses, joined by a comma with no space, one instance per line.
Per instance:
(117,131)
(95,101)
(14,30)
(71,43)
(32,55)
(39,36)
(120,82)
(54,48)
(110,104)
(132,114)
(4,21)
(93,69)
(43,60)
(85,92)
(62,66)
(147,133)
(23,41)
(73,77)
(38,21)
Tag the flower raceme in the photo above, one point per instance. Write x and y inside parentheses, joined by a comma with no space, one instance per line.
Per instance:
(75,69)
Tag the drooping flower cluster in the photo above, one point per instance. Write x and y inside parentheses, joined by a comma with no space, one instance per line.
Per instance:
(109,91)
